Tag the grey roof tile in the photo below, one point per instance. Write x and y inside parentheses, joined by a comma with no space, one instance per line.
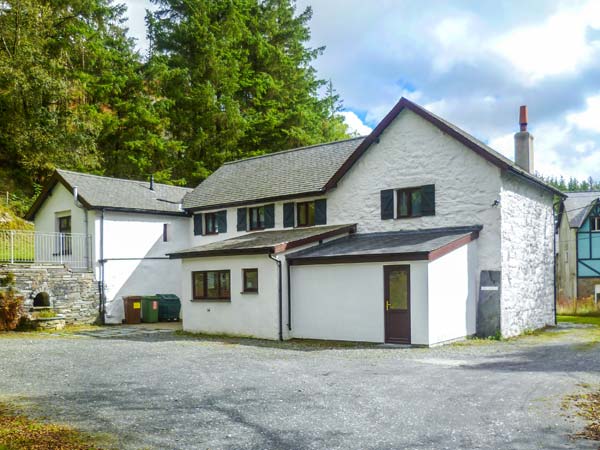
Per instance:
(286,173)
(386,243)
(578,205)
(263,241)
(119,193)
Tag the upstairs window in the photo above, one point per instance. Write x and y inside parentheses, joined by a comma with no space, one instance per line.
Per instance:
(408,202)
(306,214)
(257,218)
(595,223)
(210,223)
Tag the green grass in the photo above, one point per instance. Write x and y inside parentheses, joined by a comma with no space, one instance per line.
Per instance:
(592,319)
(23,247)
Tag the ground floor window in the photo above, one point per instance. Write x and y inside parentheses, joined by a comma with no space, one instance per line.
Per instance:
(250,280)
(211,285)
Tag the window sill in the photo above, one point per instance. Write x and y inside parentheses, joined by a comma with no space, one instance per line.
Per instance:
(249,292)
(210,300)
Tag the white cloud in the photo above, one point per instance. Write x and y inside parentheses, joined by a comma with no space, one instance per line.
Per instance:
(588,119)
(355,125)
(558,45)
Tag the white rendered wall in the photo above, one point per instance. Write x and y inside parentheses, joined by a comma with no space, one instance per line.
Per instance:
(413,152)
(527,257)
(453,295)
(135,236)
(59,203)
(345,302)
(247,314)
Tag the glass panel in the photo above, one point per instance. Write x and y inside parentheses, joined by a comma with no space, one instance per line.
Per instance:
(301,214)
(311,213)
(211,223)
(402,203)
(251,279)
(416,203)
(212,284)
(199,285)
(224,282)
(398,280)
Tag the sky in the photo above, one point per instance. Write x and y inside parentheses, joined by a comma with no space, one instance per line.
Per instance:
(471,62)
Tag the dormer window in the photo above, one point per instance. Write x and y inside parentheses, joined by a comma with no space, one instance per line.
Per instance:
(595,223)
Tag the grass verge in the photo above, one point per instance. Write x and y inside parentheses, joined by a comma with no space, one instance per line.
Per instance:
(18,432)
(592,319)
(68,331)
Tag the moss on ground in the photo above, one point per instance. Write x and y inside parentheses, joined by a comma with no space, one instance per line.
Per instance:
(18,432)
(586,405)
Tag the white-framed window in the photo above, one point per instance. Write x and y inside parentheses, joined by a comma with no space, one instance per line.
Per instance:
(595,223)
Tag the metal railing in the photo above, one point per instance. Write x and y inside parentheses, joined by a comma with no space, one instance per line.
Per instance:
(21,246)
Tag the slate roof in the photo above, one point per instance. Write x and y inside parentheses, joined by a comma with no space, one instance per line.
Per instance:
(293,172)
(96,192)
(318,168)
(418,244)
(263,242)
(577,206)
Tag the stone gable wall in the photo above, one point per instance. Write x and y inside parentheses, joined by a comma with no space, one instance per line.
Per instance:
(73,294)
(527,247)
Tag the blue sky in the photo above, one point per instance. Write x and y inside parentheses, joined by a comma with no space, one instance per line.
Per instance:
(473,63)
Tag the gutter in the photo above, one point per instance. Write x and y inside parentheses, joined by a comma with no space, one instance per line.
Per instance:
(280,295)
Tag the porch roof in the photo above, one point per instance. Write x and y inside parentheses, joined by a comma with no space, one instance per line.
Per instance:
(388,246)
(264,242)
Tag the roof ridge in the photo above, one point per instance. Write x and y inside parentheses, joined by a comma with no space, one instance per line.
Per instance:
(120,179)
(306,147)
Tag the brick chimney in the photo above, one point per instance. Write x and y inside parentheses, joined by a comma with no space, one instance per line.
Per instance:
(524,143)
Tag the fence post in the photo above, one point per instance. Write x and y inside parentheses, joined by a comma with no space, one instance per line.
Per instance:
(12,247)
(60,247)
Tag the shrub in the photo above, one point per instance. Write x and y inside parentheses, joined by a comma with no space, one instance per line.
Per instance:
(11,304)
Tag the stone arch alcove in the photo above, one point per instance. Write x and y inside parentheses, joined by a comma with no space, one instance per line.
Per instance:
(41,300)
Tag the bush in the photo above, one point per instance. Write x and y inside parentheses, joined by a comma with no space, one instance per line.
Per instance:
(11,304)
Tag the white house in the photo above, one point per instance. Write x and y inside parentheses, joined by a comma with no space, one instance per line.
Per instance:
(120,229)
(418,233)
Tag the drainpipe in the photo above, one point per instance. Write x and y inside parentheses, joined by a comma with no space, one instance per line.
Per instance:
(280,295)
(289,297)
(554,234)
(101,271)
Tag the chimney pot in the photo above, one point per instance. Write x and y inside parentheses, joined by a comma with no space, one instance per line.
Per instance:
(152,182)
(523,117)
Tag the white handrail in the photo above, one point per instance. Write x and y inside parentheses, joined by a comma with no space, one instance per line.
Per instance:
(24,246)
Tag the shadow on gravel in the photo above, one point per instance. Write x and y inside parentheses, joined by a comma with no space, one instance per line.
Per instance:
(159,420)
(569,357)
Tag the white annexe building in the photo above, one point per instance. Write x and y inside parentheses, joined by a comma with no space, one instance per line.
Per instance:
(120,229)
(417,234)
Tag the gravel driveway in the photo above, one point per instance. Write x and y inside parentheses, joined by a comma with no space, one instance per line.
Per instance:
(164,391)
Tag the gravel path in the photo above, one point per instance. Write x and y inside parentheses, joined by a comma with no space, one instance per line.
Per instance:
(163,391)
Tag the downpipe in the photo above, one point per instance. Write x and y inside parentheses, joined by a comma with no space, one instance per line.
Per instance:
(280,295)
(101,270)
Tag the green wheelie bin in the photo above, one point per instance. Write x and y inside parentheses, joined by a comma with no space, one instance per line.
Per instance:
(150,309)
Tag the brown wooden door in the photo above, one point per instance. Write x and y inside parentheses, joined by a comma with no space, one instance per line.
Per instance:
(396,291)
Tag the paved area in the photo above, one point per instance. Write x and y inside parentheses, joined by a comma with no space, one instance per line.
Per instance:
(166,391)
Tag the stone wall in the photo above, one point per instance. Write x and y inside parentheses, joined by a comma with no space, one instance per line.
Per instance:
(527,246)
(73,294)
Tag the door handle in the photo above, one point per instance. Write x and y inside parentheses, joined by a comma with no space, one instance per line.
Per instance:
(387,305)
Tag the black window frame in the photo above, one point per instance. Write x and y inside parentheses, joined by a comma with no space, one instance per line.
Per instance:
(258,225)
(165,232)
(409,192)
(206,297)
(245,288)
(306,223)
(211,225)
